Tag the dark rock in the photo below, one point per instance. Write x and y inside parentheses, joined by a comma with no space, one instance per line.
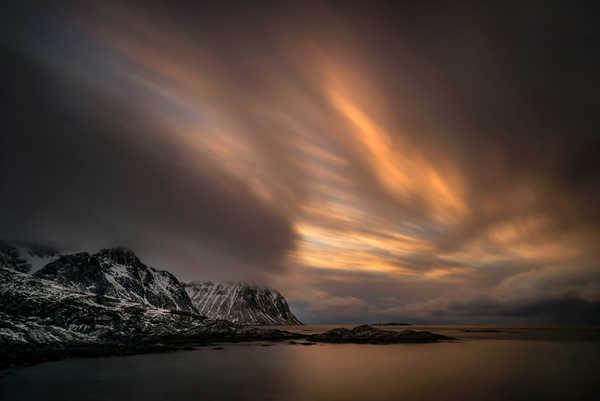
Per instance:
(366,334)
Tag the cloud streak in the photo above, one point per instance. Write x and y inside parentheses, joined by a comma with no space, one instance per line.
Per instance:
(370,162)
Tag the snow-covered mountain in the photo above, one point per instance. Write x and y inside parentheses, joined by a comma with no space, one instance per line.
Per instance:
(25,257)
(44,320)
(118,272)
(241,303)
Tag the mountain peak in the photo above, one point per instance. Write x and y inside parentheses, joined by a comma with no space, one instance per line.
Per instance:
(118,272)
(240,303)
(120,255)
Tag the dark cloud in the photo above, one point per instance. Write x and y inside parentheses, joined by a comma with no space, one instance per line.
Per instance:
(564,311)
(81,169)
(402,161)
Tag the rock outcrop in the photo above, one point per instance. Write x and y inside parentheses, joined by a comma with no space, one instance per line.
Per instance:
(366,334)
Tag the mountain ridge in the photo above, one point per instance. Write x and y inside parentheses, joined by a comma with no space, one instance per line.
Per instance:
(118,272)
(44,320)
(241,303)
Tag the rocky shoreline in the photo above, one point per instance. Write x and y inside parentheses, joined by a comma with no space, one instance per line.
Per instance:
(367,334)
(41,320)
(20,355)
(14,355)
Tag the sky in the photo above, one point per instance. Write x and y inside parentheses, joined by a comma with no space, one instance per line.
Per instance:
(428,163)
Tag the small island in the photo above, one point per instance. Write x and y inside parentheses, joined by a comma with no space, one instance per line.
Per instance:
(366,334)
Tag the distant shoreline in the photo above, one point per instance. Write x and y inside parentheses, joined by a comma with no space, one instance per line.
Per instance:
(221,332)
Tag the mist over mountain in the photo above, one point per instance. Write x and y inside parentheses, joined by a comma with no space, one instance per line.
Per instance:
(26,257)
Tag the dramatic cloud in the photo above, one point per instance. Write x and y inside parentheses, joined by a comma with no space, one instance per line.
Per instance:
(399,162)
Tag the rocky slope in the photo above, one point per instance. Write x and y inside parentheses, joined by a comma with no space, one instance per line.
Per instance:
(119,273)
(241,303)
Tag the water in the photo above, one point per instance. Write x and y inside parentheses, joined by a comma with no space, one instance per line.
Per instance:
(513,364)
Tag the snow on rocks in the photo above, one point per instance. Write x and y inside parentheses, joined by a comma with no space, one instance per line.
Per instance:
(240,303)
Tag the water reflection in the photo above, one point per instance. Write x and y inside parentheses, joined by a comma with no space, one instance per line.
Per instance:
(465,370)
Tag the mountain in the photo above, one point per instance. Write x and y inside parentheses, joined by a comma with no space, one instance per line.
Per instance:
(240,303)
(25,257)
(44,320)
(119,273)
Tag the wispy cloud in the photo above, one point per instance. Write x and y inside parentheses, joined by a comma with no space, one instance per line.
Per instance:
(366,168)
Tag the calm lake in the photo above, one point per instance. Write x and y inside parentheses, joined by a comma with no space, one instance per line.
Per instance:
(486,364)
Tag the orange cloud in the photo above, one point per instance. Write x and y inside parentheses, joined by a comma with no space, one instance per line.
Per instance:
(400,168)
